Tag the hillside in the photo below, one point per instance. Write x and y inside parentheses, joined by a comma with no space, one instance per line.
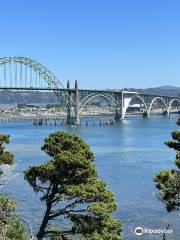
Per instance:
(162,90)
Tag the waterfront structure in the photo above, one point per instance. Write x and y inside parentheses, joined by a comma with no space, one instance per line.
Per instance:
(22,73)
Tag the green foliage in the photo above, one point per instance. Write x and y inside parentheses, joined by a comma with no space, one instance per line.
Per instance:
(5,156)
(7,208)
(168,181)
(59,238)
(72,192)
(16,231)
(10,227)
(178,121)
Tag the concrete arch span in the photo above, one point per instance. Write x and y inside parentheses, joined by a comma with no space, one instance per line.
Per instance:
(127,102)
(160,99)
(171,102)
(92,96)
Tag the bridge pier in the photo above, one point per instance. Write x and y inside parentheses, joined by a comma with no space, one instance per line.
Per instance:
(68,106)
(146,114)
(117,115)
(125,104)
(76,96)
(165,113)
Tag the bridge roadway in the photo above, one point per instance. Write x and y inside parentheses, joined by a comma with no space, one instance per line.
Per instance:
(84,90)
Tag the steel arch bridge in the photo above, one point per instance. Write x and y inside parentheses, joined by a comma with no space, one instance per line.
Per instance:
(23,73)
(19,77)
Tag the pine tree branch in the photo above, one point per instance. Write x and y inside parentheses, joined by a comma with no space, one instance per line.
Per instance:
(58,234)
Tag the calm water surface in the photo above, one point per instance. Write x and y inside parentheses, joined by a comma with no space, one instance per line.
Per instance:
(127,156)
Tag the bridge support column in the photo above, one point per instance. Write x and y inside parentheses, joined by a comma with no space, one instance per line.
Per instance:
(125,103)
(77,118)
(145,114)
(165,112)
(68,119)
(147,103)
(117,116)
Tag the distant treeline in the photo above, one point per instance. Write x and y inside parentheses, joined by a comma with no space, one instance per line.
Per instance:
(31,97)
(157,91)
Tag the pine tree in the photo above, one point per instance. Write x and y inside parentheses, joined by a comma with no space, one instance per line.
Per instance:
(168,181)
(7,206)
(73,194)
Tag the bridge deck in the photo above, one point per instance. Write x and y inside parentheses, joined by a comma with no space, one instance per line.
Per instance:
(85,90)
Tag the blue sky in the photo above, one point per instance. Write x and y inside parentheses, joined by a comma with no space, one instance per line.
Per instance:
(101,43)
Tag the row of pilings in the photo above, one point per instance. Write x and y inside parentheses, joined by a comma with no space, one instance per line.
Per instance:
(56,121)
(36,121)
